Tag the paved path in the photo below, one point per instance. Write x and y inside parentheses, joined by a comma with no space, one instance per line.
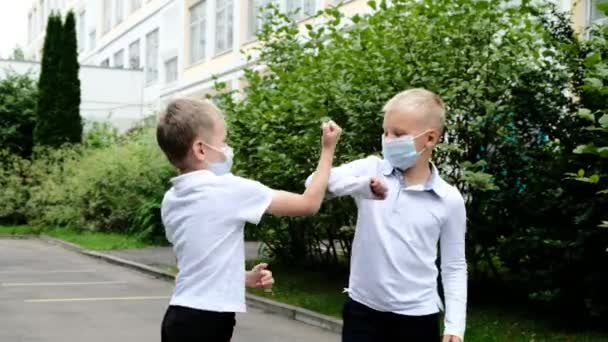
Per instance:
(163,257)
(50,294)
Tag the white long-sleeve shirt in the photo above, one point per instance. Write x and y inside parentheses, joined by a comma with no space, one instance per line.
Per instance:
(394,252)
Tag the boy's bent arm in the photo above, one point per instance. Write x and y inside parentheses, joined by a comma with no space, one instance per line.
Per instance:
(351,179)
(454,268)
(289,204)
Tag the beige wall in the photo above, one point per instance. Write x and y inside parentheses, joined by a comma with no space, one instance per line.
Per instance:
(580,12)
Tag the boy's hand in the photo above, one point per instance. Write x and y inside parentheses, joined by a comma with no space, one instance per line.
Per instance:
(259,277)
(378,188)
(451,338)
(331,134)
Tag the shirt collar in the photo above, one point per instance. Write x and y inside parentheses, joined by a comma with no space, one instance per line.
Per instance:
(434,183)
(191,179)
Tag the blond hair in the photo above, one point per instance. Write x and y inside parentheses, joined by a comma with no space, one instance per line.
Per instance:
(421,101)
(182,122)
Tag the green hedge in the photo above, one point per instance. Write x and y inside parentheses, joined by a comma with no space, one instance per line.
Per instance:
(100,186)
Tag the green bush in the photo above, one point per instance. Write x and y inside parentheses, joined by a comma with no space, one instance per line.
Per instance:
(490,61)
(14,187)
(18,96)
(117,188)
(593,175)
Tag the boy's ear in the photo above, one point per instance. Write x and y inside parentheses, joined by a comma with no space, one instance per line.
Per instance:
(198,151)
(433,137)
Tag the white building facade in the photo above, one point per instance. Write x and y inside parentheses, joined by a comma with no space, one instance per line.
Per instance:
(120,104)
(180,45)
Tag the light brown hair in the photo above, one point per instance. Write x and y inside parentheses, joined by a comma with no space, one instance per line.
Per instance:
(421,101)
(182,122)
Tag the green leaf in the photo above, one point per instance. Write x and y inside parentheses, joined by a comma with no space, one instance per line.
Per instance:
(581,173)
(586,114)
(592,59)
(594,179)
(372,4)
(604,121)
(583,149)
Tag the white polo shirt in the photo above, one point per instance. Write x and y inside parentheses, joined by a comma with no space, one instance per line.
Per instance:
(395,246)
(204,217)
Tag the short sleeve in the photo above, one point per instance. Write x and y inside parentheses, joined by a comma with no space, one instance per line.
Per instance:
(251,199)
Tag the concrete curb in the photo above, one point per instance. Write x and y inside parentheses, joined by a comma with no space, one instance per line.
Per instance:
(60,243)
(296,313)
(292,312)
(15,237)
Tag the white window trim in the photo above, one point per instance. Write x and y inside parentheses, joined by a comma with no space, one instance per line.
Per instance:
(82,31)
(206,32)
(139,64)
(106,25)
(119,12)
(92,42)
(120,53)
(282,4)
(229,47)
(590,21)
(150,82)
(133,9)
(167,61)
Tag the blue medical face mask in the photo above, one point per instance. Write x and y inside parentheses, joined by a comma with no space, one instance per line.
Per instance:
(223,167)
(401,152)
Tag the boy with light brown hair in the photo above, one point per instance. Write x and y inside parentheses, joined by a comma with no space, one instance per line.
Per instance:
(205,212)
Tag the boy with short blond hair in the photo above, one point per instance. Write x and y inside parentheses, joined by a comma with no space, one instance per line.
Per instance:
(204,214)
(405,209)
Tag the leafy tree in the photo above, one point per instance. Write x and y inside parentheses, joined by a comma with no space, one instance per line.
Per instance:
(58,115)
(18,94)
(69,97)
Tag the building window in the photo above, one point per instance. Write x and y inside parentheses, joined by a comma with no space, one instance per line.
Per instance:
(152,57)
(105,63)
(134,55)
(595,14)
(92,40)
(198,31)
(119,59)
(305,8)
(43,15)
(120,11)
(135,5)
(256,16)
(34,23)
(81,31)
(30,32)
(171,70)
(107,15)
(224,16)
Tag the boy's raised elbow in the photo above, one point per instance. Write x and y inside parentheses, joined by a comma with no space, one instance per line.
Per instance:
(311,208)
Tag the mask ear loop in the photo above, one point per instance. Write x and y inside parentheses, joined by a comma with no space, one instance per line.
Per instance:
(418,136)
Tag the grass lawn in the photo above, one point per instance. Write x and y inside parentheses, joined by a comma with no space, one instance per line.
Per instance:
(320,293)
(85,239)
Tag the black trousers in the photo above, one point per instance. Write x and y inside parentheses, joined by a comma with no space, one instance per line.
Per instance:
(190,325)
(363,324)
